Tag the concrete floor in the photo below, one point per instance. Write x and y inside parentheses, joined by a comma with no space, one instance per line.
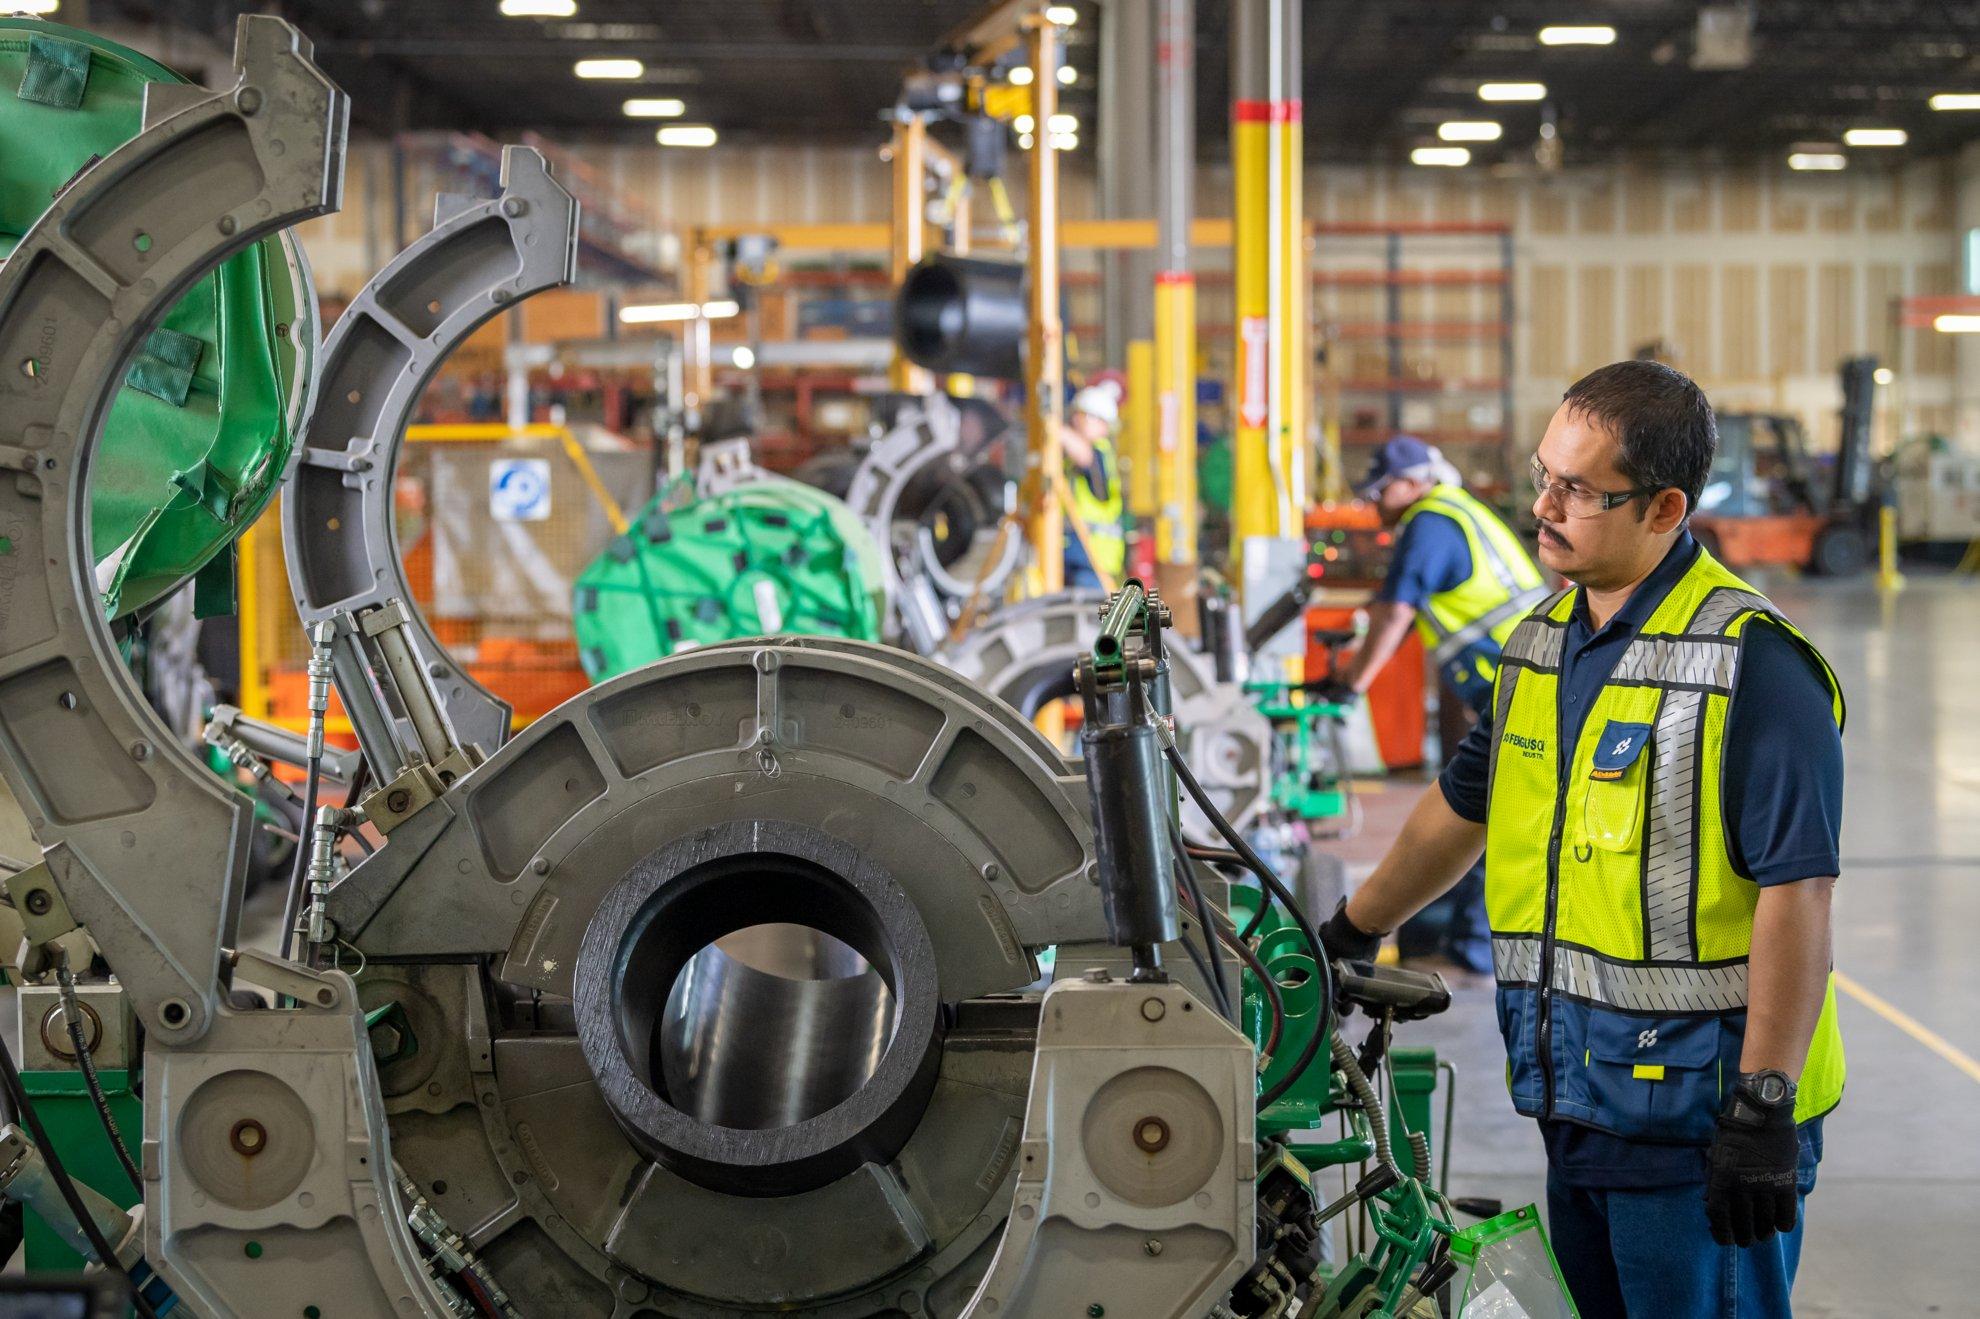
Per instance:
(1890,1226)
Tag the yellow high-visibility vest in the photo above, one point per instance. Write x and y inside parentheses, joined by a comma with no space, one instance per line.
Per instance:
(1465,628)
(1620,921)
(1105,519)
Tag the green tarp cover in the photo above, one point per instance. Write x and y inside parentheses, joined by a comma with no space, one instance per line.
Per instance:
(196,441)
(691,572)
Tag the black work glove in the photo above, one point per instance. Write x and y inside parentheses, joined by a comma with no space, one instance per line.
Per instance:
(1750,1176)
(1334,692)
(1344,942)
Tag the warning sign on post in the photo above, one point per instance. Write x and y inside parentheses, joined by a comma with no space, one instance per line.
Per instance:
(519,489)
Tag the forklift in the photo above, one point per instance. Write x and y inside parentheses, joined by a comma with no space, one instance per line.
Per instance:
(1764,504)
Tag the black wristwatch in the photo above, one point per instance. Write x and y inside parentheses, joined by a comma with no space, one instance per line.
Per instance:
(1766,1089)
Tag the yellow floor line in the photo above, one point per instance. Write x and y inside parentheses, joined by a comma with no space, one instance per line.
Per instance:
(1911,1026)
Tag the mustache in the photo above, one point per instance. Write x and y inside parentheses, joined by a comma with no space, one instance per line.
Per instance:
(1552,537)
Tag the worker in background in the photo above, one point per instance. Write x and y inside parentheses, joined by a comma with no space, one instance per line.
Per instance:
(1093,471)
(1657,788)
(1463,579)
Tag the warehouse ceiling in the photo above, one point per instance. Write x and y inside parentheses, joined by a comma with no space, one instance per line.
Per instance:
(1380,74)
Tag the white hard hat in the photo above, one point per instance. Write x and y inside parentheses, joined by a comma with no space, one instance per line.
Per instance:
(1099,401)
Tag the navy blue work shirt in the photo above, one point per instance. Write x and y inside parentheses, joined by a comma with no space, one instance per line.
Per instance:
(1430,556)
(1783,806)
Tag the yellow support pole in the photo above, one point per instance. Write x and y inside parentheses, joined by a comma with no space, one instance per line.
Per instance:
(910,234)
(249,622)
(1254,500)
(1138,434)
(1292,288)
(1175,445)
(1888,576)
(1044,371)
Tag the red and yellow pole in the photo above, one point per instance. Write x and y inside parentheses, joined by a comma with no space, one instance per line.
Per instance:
(1255,497)
(1177,515)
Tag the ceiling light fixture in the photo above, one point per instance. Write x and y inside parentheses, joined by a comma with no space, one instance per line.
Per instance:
(1512,91)
(1063,123)
(1876,137)
(539,8)
(1469,130)
(1446,156)
(655,107)
(1956,101)
(1024,123)
(1021,76)
(1587,34)
(686,135)
(1953,323)
(1817,160)
(1063,15)
(617,69)
(660,313)
(1883,375)
(1068,75)
(744,357)
(34,8)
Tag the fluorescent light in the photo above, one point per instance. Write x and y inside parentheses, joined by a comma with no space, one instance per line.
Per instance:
(1883,375)
(657,313)
(1024,123)
(1024,141)
(619,69)
(1956,324)
(1021,76)
(655,107)
(1956,101)
(1512,91)
(1589,34)
(1063,15)
(1875,137)
(1065,141)
(686,135)
(1063,123)
(1440,156)
(538,8)
(1469,130)
(33,8)
(1068,75)
(1819,160)
(744,357)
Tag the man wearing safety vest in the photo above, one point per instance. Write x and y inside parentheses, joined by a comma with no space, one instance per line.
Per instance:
(1658,792)
(1093,471)
(1461,576)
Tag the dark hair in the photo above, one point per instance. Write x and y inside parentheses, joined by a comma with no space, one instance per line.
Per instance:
(1665,433)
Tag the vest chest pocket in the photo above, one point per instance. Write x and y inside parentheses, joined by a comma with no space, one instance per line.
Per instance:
(1654,1077)
(1613,793)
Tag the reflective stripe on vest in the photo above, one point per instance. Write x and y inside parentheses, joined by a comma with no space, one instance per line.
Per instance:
(1504,583)
(1621,922)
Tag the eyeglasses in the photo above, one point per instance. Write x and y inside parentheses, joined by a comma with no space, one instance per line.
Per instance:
(1579,501)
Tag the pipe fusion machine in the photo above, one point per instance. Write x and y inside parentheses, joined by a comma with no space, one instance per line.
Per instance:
(720,991)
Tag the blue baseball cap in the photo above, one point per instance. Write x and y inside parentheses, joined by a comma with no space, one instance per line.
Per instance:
(1399,454)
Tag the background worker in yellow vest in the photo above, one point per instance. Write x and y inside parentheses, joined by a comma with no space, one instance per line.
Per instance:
(1093,471)
(1658,790)
(1460,576)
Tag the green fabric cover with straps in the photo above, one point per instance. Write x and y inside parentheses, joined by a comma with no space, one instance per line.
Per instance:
(768,556)
(1465,627)
(196,442)
(1104,515)
(1621,923)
